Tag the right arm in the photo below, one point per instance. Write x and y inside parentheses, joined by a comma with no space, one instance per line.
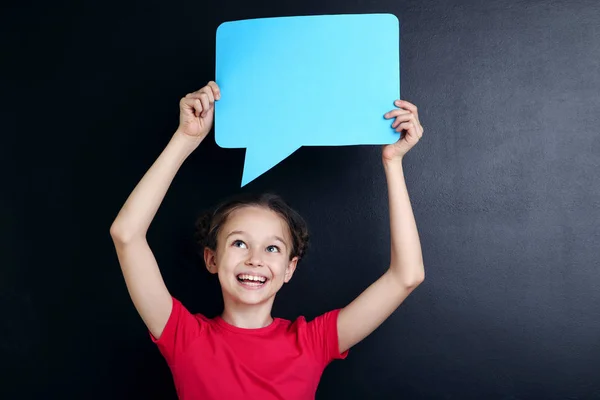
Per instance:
(142,276)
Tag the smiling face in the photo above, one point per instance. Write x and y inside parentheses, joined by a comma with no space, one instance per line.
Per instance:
(252,258)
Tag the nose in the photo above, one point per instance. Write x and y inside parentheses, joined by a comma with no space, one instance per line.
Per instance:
(254,259)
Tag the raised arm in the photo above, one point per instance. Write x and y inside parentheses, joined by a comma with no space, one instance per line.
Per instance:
(363,315)
(142,276)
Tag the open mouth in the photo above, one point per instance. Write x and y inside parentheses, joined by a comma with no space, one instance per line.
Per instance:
(252,281)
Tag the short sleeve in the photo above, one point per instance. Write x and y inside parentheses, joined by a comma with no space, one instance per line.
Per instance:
(323,335)
(181,329)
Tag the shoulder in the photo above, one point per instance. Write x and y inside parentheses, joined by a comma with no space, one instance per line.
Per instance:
(327,320)
(319,334)
(181,318)
(182,329)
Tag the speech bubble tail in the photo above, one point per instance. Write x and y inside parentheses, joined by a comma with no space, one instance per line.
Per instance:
(261,158)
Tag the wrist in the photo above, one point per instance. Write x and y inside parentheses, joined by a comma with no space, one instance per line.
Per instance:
(184,143)
(393,163)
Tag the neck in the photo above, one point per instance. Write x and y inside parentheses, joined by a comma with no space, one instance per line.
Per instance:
(247,316)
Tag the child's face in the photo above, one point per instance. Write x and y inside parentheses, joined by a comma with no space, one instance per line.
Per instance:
(252,257)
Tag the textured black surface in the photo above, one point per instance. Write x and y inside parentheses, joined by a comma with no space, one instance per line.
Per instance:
(504,185)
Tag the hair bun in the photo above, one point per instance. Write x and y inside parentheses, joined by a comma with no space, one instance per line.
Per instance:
(202,230)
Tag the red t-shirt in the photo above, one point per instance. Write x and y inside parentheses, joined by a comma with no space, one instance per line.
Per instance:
(211,359)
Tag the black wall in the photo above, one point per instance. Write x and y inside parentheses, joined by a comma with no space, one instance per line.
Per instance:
(504,185)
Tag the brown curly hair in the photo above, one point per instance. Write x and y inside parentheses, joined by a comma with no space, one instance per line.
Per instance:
(209,224)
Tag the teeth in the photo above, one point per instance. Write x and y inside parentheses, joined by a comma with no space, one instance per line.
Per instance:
(254,278)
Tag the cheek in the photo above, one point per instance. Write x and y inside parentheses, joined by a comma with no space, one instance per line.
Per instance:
(280,268)
(229,257)
(225,266)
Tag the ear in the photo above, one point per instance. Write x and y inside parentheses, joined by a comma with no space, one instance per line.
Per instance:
(289,271)
(210,260)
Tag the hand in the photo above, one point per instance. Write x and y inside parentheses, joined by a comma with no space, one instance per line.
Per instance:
(196,113)
(407,120)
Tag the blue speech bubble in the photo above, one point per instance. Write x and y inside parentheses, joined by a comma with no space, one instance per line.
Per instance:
(305,81)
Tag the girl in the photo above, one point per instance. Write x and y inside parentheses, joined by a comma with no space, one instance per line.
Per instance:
(254,244)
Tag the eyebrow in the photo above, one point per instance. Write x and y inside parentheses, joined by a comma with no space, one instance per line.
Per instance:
(243,233)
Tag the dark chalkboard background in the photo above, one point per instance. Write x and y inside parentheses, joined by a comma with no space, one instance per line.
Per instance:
(504,185)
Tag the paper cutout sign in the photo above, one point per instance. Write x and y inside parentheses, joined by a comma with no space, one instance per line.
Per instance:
(305,81)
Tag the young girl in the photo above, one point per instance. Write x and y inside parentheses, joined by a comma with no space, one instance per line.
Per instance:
(254,244)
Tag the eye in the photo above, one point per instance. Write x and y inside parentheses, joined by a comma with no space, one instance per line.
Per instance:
(236,243)
(274,249)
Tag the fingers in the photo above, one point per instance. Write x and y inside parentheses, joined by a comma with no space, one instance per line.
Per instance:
(405,117)
(208,93)
(397,112)
(409,106)
(195,102)
(206,98)
(412,130)
(190,105)
(408,111)
(206,103)
(211,89)
(215,89)
(408,127)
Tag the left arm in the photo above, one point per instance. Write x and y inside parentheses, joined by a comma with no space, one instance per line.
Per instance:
(363,315)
